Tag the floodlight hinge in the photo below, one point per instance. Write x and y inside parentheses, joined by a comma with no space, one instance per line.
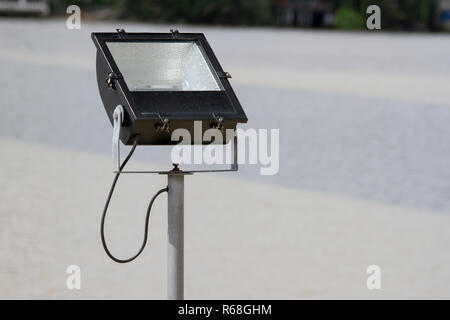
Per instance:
(218,122)
(112,78)
(222,74)
(174,33)
(164,125)
(121,33)
(117,124)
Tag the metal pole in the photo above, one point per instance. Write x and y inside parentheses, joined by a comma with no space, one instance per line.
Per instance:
(175,263)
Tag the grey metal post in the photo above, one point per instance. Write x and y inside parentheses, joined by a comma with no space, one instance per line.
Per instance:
(175,266)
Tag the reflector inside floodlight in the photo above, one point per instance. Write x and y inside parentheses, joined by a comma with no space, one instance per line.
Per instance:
(164,66)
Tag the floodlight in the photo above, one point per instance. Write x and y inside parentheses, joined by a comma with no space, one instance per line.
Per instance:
(163,81)
(152,84)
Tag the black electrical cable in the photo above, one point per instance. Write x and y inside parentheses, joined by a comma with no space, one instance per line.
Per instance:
(147,218)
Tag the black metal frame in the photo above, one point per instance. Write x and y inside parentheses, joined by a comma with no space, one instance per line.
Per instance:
(147,112)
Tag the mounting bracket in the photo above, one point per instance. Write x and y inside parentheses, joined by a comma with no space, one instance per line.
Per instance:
(118,119)
(117,124)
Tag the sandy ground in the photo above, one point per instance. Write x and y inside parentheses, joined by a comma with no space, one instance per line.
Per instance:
(243,239)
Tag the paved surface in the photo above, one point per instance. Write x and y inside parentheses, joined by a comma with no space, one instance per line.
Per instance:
(270,242)
(363,179)
(359,114)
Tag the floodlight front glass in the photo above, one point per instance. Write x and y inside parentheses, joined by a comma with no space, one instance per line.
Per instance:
(164,66)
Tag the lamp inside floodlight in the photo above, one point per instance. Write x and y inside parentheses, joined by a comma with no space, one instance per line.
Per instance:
(163,66)
(164,82)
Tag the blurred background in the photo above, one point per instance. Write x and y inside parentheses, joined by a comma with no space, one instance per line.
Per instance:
(411,15)
(364,153)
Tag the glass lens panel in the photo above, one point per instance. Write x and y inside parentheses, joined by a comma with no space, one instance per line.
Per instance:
(163,66)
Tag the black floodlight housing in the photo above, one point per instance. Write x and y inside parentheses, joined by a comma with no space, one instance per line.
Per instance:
(163,81)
